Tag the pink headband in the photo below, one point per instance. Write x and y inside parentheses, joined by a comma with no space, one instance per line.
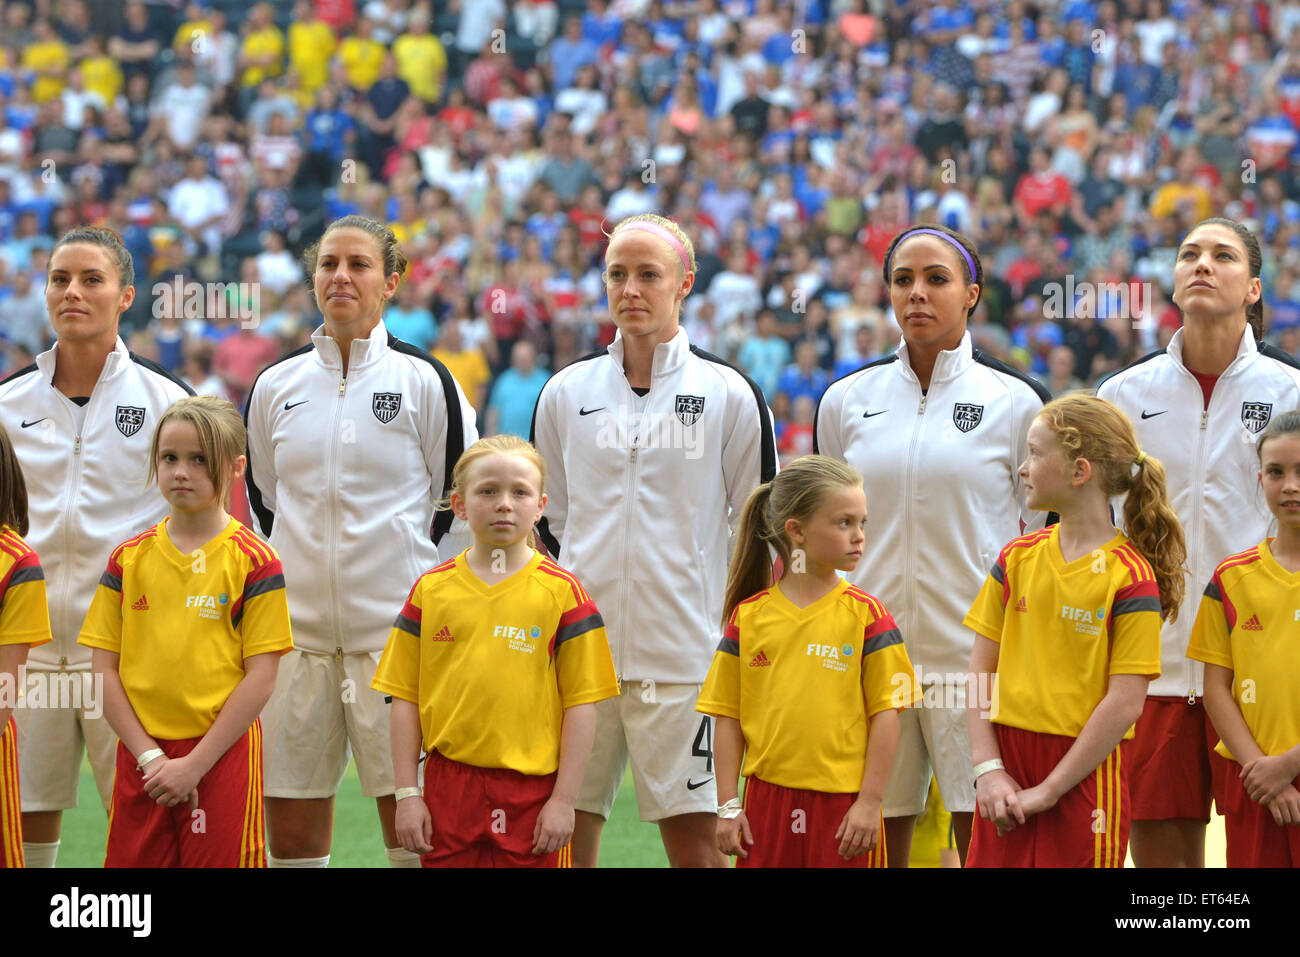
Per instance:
(667,236)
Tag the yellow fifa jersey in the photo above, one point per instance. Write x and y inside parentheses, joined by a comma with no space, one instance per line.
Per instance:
(183,623)
(24,612)
(40,57)
(362,60)
(805,682)
(258,44)
(1249,622)
(103,76)
(493,667)
(1064,629)
(421,62)
(310,47)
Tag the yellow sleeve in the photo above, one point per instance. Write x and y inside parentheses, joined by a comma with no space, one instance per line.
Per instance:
(988,613)
(24,611)
(583,665)
(1211,641)
(264,612)
(103,625)
(398,673)
(888,681)
(721,691)
(1135,630)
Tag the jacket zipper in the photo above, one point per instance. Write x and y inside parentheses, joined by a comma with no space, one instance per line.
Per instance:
(1198,483)
(332,550)
(909,588)
(620,666)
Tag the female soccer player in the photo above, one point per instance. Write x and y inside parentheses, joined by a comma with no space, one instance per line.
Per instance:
(1198,405)
(495,664)
(807,682)
(188,625)
(939,428)
(24,623)
(351,442)
(80,418)
(1245,634)
(1067,636)
(652,447)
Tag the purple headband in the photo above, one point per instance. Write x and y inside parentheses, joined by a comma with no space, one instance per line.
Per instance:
(970,263)
(666,235)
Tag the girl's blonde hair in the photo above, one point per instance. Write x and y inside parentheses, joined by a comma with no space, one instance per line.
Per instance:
(13,488)
(667,224)
(222,437)
(495,445)
(1091,428)
(797,492)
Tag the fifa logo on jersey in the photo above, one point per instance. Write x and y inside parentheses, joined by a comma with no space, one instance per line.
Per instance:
(1086,621)
(832,656)
(518,638)
(209,606)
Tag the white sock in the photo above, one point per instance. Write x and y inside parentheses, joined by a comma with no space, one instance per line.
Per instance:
(401,857)
(272,861)
(40,855)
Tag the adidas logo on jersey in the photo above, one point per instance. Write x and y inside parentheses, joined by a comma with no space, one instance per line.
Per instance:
(1020,605)
(140,604)
(1253,624)
(444,635)
(760,660)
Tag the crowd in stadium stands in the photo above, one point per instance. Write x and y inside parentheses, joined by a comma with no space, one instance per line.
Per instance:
(1075,141)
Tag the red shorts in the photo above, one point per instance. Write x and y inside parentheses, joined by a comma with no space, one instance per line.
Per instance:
(484,817)
(227,829)
(794,827)
(1174,769)
(11,822)
(1087,828)
(1254,838)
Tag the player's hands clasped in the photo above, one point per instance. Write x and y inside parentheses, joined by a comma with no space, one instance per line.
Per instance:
(996,797)
(554,827)
(172,781)
(859,831)
(1285,808)
(730,834)
(1035,800)
(414,826)
(1265,777)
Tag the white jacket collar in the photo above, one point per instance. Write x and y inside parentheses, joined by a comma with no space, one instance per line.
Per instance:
(1246,349)
(668,355)
(363,351)
(949,364)
(115,360)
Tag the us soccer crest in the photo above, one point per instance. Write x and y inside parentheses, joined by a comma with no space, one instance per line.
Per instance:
(1255,415)
(966,417)
(689,408)
(129,419)
(385,406)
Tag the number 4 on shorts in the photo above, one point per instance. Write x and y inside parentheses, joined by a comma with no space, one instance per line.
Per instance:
(702,746)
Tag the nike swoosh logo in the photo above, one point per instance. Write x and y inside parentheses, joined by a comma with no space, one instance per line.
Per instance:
(869,415)
(27,425)
(295,405)
(1152,415)
(589,411)
(691,785)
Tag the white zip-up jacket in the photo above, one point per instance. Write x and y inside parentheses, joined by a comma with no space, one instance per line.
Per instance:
(644,493)
(1210,463)
(86,489)
(943,491)
(343,474)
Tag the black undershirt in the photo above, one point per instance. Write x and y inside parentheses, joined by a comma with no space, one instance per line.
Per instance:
(641,392)
(81,400)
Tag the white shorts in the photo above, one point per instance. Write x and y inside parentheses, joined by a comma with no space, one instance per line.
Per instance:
(50,744)
(670,745)
(322,709)
(931,739)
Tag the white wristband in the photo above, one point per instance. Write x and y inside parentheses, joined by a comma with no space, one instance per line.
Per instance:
(401,794)
(730,810)
(147,756)
(984,767)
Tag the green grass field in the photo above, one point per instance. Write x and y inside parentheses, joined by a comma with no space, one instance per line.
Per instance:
(357,843)
(626,842)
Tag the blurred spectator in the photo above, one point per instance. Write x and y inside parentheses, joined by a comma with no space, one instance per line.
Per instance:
(765,355)
(467,365)
(409,320)
(803,377)
(510,409)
